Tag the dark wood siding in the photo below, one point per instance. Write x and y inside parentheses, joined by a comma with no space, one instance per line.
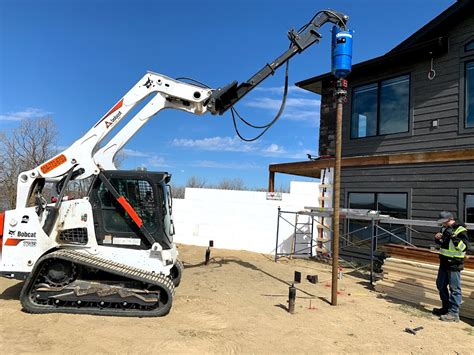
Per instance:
(430,187)
(430,100)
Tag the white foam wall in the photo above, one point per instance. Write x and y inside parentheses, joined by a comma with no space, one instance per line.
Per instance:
(240,220)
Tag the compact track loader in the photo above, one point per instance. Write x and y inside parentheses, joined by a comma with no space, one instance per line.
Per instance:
(111,252)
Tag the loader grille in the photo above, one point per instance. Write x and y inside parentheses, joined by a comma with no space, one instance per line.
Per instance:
(74,236)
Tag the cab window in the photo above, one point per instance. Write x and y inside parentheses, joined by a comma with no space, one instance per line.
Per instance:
(139,193)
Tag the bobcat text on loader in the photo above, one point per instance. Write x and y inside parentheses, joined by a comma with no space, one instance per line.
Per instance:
(112,252)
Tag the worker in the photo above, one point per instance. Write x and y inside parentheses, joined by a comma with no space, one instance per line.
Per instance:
(452,240)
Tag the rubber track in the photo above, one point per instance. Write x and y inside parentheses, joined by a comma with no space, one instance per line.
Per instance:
(87,260)
(180,267)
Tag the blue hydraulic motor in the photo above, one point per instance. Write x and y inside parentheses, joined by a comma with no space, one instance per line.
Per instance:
(341,53)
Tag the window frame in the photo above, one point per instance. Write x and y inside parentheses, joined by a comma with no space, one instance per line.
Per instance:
(464,58)
(461,204)
(130,225)
(408,192)
(464,95)
(464,210)
(379,85)
(376,193)
(467,43)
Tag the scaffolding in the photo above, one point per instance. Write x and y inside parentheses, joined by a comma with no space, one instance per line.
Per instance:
(302,239)
(376,226)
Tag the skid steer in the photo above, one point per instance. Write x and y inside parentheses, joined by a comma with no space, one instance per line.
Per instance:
(111,252)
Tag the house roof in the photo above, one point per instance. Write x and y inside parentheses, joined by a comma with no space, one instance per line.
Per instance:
(437,26)
(427,39)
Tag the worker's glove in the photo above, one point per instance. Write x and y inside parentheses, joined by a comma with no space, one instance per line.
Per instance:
(444,234)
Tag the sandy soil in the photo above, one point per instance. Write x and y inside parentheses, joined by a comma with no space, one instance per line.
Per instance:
(237,304)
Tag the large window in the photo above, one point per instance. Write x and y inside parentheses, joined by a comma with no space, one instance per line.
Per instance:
(381,108)
(393,204)
(469,106)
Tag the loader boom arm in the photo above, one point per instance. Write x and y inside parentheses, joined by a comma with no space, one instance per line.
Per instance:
(85,152)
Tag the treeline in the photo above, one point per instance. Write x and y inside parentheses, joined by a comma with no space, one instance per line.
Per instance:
(34,141)
(225,184)
(30,144)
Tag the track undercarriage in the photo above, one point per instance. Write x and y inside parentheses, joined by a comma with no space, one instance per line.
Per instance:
(71,281)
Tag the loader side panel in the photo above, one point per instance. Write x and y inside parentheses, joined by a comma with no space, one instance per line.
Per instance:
(24,241)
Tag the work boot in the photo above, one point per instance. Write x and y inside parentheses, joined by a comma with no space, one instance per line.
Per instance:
(450,317)
(439,311)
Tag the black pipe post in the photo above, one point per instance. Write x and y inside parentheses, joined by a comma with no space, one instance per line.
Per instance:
(291,299)
(297,277)
(208,252)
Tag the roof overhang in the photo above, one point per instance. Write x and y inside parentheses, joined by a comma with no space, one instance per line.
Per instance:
(312,168)
(434,47)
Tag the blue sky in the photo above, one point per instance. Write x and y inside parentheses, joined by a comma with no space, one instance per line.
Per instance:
(72,60)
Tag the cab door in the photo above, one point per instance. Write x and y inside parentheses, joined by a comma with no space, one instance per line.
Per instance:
(113,225)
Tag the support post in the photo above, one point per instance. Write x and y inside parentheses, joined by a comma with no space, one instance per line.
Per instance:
(291,298)
(278,233)
(341,93)
(373,235)
(271,181)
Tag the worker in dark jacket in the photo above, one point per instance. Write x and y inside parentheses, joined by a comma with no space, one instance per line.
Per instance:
(452,240)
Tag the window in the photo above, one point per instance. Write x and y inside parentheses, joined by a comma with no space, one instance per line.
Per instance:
(469,213)
(393,204)
(364,111)
(469,208)
(381,108)
(139,193)
(394,102)
(469,98)
(469,46)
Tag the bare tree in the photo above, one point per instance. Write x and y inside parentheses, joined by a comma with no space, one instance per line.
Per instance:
(224,184)
(195,181)
(26,147)
(177,191)
(79,188)
(231,184)
(120,158)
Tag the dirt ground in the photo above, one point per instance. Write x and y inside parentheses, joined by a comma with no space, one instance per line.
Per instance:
(237,304)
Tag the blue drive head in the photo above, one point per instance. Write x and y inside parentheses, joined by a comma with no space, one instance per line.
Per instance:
(341,53)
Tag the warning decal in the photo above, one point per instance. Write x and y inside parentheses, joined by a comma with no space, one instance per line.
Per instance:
(53,164)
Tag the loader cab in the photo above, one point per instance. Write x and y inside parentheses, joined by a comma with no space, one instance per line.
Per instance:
(149,195)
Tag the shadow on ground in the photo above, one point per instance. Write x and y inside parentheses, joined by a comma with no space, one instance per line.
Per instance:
(12,293)
(220,262)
